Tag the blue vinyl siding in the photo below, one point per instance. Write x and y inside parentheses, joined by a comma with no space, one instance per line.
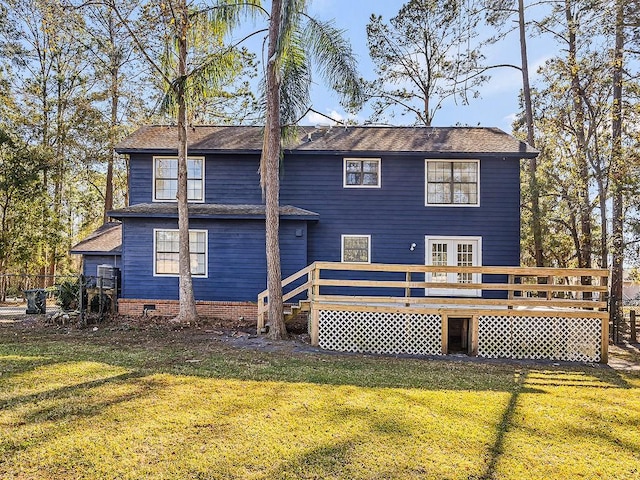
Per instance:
(90,263)
(236,262)
(140,179)
(394,215)
(230,179)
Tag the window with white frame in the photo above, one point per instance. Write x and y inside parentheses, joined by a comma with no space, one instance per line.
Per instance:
(165,179)
(356,248)
(453,252)
(165,247)
(361,173)
(452,182)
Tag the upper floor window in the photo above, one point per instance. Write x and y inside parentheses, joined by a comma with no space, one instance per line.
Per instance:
(165,179)
(166,251)
(362,172)
(356,248)
(452,182)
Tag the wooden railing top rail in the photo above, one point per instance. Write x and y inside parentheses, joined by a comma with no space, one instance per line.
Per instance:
(290,279)
(514,302)
(513,287)
(296,291)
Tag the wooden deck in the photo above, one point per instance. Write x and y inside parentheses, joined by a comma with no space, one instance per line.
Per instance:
(538,304)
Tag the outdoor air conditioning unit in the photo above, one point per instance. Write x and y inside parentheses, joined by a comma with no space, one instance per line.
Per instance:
(106,276)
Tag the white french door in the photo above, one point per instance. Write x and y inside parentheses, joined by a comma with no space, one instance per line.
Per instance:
(453,252)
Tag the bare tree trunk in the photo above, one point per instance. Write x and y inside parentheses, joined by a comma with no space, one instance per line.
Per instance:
(617,216)
(582,178)
(126,190)
(187,312)
(271,176)
(46,177)
(113,70)
(108,189)
(534,189)
(59,174)
(604,220)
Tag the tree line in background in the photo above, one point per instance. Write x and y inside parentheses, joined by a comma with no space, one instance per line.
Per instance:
(78,76)
(73,82)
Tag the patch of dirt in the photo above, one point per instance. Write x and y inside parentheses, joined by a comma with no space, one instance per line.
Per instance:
(158,331)
(625,357)
(239,333)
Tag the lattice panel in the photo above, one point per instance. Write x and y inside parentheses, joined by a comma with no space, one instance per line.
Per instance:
(553,338)
(376,332)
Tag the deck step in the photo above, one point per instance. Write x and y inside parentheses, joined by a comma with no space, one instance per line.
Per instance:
(305,305)
(294,310)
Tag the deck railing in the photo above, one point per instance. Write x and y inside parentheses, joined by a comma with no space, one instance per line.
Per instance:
(559,292)
(525,286)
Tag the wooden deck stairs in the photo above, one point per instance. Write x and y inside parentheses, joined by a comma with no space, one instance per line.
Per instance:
(292,311)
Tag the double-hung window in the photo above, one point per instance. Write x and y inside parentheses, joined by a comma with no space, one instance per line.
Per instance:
(356,248)
(165,179)
(165,247)
(452,182)
(361,173)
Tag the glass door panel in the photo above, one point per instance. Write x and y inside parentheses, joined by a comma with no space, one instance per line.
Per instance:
(453,252)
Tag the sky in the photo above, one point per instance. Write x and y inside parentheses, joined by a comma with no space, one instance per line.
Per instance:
(498,104)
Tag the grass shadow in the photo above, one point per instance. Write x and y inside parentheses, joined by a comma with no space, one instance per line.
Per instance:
(40,415)
(497,449)
(322,461)
(15,364)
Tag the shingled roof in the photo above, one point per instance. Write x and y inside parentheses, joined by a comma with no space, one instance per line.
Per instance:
(208,210)
(105,240)
(245,139)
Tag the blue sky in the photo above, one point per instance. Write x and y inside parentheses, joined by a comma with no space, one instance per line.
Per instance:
(499,97)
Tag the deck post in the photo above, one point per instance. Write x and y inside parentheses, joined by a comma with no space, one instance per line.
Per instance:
(315,282)
(473,348)
(311,289)
(260,322)
(314,334)
(604,341)
(445,332)
(407,290)
(510,294)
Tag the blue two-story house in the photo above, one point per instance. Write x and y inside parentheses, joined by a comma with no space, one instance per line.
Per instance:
(407,195)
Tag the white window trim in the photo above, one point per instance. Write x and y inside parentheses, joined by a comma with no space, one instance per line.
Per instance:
(453,292)
(206,253)
(448,205)
(344,172)
(342,238)
(165,157)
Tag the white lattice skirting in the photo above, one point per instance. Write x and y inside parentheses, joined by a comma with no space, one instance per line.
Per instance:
(553,338)
(499,336)
(376,332)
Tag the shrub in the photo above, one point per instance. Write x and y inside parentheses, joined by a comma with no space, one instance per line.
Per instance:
(68,294)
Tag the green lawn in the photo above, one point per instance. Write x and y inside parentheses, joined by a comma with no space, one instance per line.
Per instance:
(172,405)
